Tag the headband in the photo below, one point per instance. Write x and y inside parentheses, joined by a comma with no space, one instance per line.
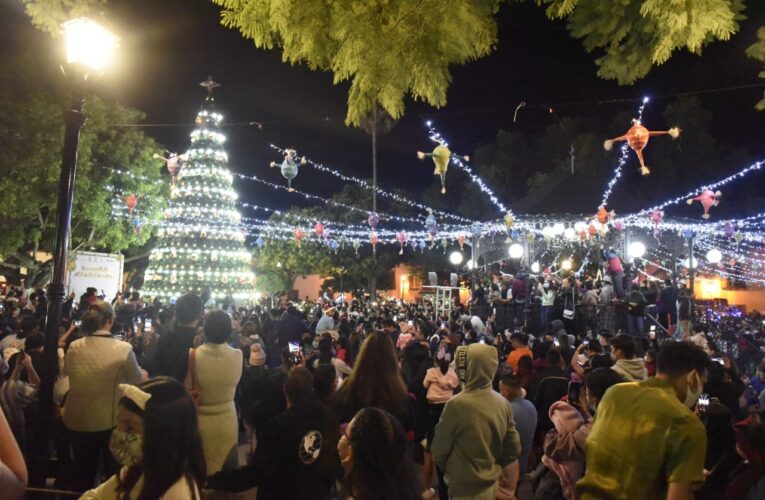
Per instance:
(136,395)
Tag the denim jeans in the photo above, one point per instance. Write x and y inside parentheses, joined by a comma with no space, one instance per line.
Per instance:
(547,312)
(636,325)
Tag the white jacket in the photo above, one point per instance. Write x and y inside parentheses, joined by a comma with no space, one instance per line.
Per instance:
(96,365)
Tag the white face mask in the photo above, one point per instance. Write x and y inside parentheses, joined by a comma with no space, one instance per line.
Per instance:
(692,396)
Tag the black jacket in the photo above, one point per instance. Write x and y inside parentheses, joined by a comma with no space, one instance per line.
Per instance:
(295,458)
(172,357)
(290,329)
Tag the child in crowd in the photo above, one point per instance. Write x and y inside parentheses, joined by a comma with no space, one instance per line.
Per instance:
(440,381)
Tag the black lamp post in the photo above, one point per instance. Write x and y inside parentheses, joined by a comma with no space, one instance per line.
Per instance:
(88,47)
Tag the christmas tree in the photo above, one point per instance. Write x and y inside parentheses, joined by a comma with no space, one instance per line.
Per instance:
(200,245)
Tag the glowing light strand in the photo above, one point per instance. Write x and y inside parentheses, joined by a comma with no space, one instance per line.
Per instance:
(741,173)
(622,161)
(382,192)
(436,137)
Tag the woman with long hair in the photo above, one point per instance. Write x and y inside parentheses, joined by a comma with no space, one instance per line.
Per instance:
(373,453)
(375,381)
(157,442)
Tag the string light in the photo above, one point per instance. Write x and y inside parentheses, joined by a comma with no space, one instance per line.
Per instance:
(622,160)
(436,137)
(722,182)
(378,190)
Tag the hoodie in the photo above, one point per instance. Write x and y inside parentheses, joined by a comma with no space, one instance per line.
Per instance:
(633,370)
(557,328)
(565,444)
(476,435)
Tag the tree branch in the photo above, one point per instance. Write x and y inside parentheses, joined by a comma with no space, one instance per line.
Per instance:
(141,255)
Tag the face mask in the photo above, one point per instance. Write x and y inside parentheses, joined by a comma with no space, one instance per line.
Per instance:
(126,447)
(692,396)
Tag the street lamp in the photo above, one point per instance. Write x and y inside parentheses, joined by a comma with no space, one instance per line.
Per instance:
(515,251)
(714,256)
(636,250)
(455,258)
(88,43)
(88,49)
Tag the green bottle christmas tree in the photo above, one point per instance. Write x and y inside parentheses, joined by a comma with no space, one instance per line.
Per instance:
(200,246)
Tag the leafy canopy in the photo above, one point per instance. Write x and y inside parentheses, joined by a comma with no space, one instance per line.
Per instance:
(31,140)
(757,51)
(635,35)
(48,15)
(387,49)
(391,49)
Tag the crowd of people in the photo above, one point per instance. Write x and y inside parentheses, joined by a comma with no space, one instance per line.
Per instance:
(385,400)
(587,303)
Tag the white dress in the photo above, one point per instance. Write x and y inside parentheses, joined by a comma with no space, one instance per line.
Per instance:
(219,368)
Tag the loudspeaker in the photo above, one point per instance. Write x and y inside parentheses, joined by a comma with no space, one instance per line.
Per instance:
(454,280)
(432,279)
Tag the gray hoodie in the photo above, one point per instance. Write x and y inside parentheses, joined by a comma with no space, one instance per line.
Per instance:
(633,370)
(476,435)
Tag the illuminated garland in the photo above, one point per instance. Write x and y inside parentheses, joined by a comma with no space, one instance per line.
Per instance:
(436,137)
(366,185)
(712,186)
(622,161)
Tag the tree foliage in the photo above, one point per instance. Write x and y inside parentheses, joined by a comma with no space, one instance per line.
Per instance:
(386,49)
(757,51)
(635,35)
(48,15)
(391,49)
(31,141)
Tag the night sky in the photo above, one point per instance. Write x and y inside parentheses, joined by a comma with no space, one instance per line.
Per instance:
(169,46)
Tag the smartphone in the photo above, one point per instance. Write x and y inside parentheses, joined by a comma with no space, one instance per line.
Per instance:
(574,392)
(703,402)
(585,342)
(411,323)
(77,323)
(294,347)
(556,342)
(147,324)
(482,341)
(653,328)
(719,360)
(443,325)
(652,334)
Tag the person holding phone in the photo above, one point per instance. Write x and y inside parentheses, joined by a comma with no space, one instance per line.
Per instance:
(564,446)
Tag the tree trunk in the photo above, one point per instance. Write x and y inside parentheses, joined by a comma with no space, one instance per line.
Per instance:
(373,282)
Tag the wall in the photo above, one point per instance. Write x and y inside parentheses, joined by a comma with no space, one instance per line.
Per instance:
(308,285)
(407,287)
(711,288)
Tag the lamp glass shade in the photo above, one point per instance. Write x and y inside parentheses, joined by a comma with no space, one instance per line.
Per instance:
(455,258)
(88,43)
(515,251)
